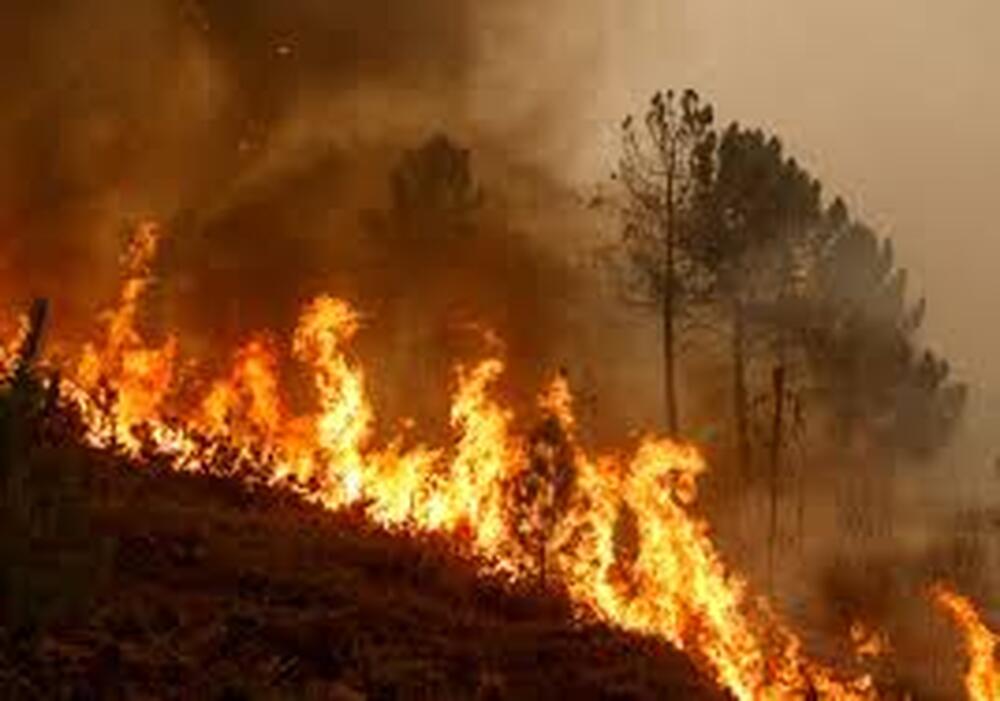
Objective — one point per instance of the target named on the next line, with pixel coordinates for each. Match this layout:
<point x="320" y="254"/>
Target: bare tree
<point x="662" y="160"/>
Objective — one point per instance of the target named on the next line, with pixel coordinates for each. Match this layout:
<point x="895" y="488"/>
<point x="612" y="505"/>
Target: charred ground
<point x="124" y="580"/>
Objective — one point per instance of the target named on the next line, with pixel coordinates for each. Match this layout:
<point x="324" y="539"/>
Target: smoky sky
<point x="208" y="116"/>
<point x="112" y="110"/>
<point x="260" y="136"/>
<point x="256" y="131"/>
<point x="894" y="106"/>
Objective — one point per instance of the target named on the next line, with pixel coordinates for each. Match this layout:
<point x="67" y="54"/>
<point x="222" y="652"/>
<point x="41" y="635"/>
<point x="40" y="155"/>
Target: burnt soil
<point x="211" y="590"/>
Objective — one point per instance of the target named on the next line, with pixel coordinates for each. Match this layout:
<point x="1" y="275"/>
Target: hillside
<point x="207" y="590"/>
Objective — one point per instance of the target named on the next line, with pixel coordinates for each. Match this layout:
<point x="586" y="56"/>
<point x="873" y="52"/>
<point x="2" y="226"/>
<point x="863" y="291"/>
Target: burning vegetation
<point x="329" y="314"/>
<point x="618" y="535"/>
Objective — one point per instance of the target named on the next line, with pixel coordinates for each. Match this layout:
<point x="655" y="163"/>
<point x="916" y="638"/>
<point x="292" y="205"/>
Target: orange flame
<point x="869" y="643"/>
<point x="129" y="380"/>
<point x="618" y="534"/>
<point x="248" y="404"/>
<point x="982" y="680"/>
<point x="11" y="347"/>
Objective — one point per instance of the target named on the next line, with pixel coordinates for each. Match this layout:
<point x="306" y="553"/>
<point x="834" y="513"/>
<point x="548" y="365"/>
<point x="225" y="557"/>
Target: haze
<point x="894" y="104"/>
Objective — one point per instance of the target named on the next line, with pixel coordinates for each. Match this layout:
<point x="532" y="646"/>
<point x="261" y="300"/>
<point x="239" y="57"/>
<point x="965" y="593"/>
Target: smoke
<point x="116" y="110"/>
<point x="261" y="136"/>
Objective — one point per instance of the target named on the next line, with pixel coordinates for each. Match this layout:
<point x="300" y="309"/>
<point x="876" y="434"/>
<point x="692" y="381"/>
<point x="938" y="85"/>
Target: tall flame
<point x="128" y="379"/>
<point x="618" y="534"/>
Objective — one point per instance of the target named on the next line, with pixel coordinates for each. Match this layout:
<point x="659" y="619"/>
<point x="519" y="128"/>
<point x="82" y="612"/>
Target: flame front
<point x="617" y="534"/>
<point x="982" y="680"/>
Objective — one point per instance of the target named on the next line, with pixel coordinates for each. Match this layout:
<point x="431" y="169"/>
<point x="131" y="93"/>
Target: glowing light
<point x="618" y="534"/>
<point x="982" y="679"/>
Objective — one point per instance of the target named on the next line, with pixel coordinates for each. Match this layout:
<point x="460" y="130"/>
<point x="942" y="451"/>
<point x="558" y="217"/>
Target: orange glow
<point x="123" y="382"/>
<point x="619" y="534"/>
<point x="248" y="403"/>
<point x="867" y="642"/>
<point x="982" y="680"/>
<point x="10" y="347"/>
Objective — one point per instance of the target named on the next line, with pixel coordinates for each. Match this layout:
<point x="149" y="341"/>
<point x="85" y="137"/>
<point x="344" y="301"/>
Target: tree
<point x="541" y="493"/>
<point x="881" y="387"/>
<point x="433" y="190"/>
<point x="731" y="229"/>
<point x="754" y="214"/>
<point x="51" y="564"/>
<point x="431" y="221"/>
<point x="661" y="164"/>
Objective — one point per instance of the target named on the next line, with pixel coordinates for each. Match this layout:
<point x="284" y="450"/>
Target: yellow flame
<point x="248" y="403"/>
<point x="982" y="680"/>
<point x="133" y="379"/>
<point x="11" y="347"/>
<point x="620" y="537"/>
<point x="868" y="642"/>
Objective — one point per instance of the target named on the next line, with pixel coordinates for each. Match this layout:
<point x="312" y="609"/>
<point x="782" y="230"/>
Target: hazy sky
<point x="893" y="103"/>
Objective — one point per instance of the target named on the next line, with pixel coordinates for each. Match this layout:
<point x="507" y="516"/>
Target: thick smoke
<point x="118" y="110"/>
<point x="261" y="136"/>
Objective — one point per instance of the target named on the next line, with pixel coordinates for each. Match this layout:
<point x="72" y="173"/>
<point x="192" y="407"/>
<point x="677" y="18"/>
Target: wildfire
<point x="982" y="680"/>
<point x="125" y="381"/>
<point x="868" y="642"/>
<point x="617" y="534"/>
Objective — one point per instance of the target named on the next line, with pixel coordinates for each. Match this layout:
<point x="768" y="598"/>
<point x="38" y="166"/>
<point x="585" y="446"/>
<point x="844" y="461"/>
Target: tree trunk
<point x="31" y="347"/>
<point x="740" y="400"/>
<point x="669" y="361"/>
<point x="778" y="381"/>
<point x="669" y="303"/>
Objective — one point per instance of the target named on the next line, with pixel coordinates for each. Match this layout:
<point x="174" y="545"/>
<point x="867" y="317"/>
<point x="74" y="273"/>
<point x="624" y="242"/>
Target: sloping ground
<point x="212" y="592"/>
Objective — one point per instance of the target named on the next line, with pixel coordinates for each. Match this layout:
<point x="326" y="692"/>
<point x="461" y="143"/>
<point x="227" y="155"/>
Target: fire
<point x="128" y="380"/>
<point x="247" y="405"/>
<point x="868" y="642"/>
<point x="982" y="680"/>
<point x="618" y="534"/>
<point x="10" y="347"/>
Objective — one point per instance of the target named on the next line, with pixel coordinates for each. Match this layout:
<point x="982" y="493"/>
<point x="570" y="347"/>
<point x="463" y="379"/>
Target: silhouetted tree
<point x="542" y="492"/>
<point x="863" y="349"/>
<point x="730" y="228"/>
<point x="755" y="210"/>
<point x="663" y="158"/>
<point x="50" y="564"/>
<point x="428" y="225"/>
<point x="434" y="192"/>
<point x="753" y="221"/>
<point x="732" y="224"/>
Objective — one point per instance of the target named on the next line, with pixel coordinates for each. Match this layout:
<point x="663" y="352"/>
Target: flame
<point x="982" y="680"/>
<point x="618" y="534"/>
<point x="124" y="382"/>
<point x="248" y="404"/>
<point x="11" y="347"/>
<point x="868" y="642"/>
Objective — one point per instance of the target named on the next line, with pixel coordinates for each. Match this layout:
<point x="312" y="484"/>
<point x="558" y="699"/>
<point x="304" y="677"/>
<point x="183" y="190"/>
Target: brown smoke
<point x="114" y="110"/>
<point x="260" y="135"/>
